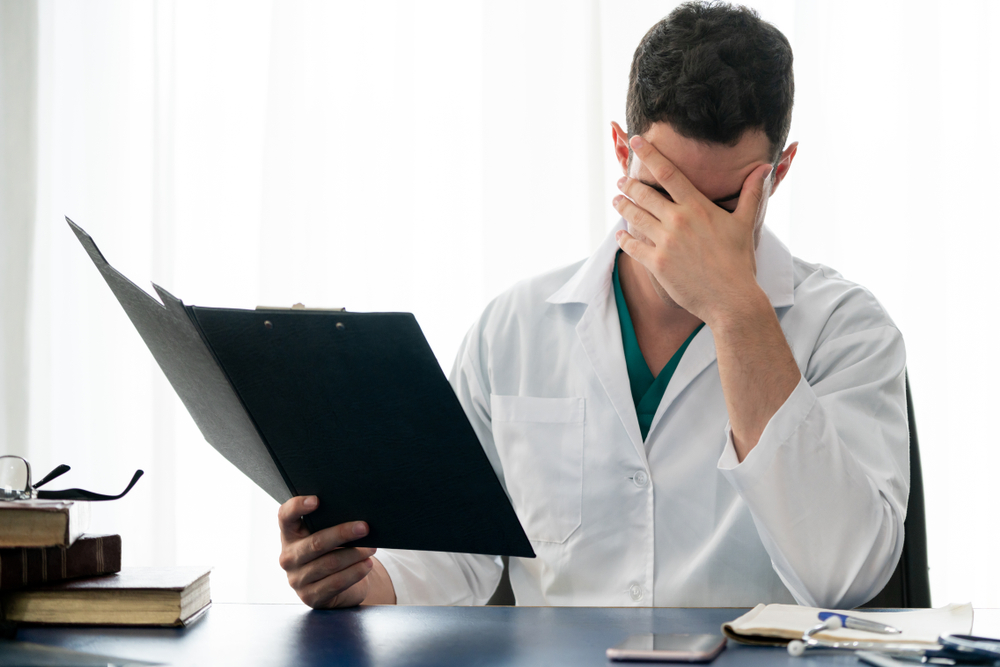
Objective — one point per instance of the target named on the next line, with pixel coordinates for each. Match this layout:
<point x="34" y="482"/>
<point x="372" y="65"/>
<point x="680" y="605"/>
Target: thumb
<point x="752" y="194"/>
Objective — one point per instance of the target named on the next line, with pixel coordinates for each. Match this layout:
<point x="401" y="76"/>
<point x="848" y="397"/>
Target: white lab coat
<point x="813" y="514"/>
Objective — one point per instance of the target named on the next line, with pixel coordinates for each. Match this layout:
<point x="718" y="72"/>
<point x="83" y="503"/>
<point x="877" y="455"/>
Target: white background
<point x="424" y="156"/>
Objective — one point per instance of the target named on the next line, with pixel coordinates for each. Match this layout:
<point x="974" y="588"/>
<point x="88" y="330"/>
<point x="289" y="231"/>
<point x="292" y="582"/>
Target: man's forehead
<point x="715" y="169"/>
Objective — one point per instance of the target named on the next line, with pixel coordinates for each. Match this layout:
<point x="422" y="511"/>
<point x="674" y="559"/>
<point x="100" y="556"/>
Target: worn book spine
<point x="42" y="523"/>
<point x="90" y="555"/>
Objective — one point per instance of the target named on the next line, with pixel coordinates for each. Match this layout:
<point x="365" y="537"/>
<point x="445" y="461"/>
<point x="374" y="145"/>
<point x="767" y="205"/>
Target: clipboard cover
<point x="350" y="407"/>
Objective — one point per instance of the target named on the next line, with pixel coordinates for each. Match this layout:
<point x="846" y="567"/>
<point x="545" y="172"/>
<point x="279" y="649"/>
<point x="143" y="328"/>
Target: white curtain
<point x="423" y="156"/>
<point x="18" y="151"/>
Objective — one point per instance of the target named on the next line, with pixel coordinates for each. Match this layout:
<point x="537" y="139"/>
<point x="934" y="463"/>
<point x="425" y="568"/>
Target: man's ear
<point x="622" y="150"/>
<point x="784" y="164"/>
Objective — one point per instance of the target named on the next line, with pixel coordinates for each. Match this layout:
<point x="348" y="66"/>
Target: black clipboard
<point x="350" y="407"/>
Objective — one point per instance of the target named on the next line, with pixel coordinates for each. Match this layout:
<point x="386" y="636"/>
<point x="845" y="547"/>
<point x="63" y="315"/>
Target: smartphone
<point x="669" y="648"/>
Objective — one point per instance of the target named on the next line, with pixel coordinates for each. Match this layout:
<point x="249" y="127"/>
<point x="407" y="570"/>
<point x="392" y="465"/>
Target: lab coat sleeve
<point x="436" y="578"/>
<point x="827" y="482"/>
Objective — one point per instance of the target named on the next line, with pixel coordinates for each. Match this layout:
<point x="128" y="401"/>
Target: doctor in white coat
<point x="692" y="416"/>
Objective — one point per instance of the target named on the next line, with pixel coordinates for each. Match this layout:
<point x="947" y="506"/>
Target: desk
<point x="286" y="634"/>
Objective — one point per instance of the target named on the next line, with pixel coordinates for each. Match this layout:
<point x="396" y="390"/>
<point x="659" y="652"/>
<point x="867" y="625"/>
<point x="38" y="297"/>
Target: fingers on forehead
<point x="662" y="169"/>
<point x="646" y="196"/>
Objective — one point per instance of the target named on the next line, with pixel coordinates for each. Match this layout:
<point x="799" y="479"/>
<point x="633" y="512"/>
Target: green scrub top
<point x="647" y="391"/>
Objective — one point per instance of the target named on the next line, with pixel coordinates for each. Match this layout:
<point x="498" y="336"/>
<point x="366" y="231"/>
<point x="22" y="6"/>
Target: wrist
<point x="380" y="588"/>
<point x="744" y="312"/>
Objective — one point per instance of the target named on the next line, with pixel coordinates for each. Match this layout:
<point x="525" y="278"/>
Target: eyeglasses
<point x="15" y="483"/>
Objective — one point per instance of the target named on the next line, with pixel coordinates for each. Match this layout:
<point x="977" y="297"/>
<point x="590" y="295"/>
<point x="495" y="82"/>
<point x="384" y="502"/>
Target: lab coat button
<point x="640" y="478"/>
<point x="635" y="591"/>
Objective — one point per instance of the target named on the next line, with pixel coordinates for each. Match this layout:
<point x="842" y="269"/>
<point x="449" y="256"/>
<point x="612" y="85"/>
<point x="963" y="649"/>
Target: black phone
<point x="669" y="648"/>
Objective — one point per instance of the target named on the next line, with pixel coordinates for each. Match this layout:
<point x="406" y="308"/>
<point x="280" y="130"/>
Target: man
<point x="698" y="420"/>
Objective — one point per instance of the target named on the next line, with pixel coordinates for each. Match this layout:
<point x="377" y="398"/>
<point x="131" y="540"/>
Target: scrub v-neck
<point x="647" y="391"/>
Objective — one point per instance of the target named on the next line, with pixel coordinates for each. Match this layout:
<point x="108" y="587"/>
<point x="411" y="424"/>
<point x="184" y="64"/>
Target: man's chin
<point x="662" y="293"/>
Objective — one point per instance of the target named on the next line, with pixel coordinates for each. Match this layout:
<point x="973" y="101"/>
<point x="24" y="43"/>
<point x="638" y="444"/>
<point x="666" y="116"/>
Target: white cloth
<point x="814" y="513"/>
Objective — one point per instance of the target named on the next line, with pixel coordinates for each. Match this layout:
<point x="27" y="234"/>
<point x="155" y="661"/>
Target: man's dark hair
<point x="713" y="71"/>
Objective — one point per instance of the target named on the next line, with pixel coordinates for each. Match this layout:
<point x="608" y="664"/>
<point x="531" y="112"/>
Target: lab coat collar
<point x="599" y="329"/>
<point x="592" y="281"/>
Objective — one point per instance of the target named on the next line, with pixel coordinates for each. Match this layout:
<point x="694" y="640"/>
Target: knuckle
<point x="285" y="560"/>
<point x="290" y="508"/>
<point x="641" y="197"/>
<point x="665" y="172"/>
<point x="660" y="262"/>
<point x="329" y="564"/>
<point x="289" y="521"/>
<point x="354" y="574"/>
<point x="315" y="543"/>
<point x="308" y="597"/>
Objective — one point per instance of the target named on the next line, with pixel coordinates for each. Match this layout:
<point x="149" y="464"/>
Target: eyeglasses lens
<point x="13" y="477"/>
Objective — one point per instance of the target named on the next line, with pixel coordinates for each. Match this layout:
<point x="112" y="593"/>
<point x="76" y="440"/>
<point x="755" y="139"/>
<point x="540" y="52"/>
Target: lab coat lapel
<point x="600" y="332"/>
<point x="699" y="355"/>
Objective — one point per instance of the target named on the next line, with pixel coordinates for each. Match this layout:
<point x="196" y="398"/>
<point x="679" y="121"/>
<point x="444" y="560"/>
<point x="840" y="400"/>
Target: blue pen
<point x="854" y="623"/>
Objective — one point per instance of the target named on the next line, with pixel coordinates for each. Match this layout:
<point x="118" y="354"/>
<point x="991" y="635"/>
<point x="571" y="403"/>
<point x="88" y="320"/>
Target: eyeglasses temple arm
<point x="81" y="494"/>
<point x="58" y="470"/>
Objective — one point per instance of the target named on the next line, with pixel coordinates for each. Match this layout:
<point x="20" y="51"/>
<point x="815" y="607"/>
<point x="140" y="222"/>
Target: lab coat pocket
<point x="540" y="443"/>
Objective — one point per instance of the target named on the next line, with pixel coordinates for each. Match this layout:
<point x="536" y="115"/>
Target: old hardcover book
<point x="134" y="596"/>
<point x="33" y="566"/>
<point x="42" y="523"/>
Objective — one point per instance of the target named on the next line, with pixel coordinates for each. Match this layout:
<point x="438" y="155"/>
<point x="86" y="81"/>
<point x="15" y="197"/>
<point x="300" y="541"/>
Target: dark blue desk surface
<point x="260" y="634"/>
<point x="280" y="634"/>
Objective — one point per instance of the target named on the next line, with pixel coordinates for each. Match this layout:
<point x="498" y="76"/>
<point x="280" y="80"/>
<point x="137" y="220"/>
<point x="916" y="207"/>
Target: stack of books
<point x="51" y="571"/>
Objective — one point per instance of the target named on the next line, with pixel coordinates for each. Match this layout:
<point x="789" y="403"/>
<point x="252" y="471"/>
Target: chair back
<point x="910" y="584"/>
